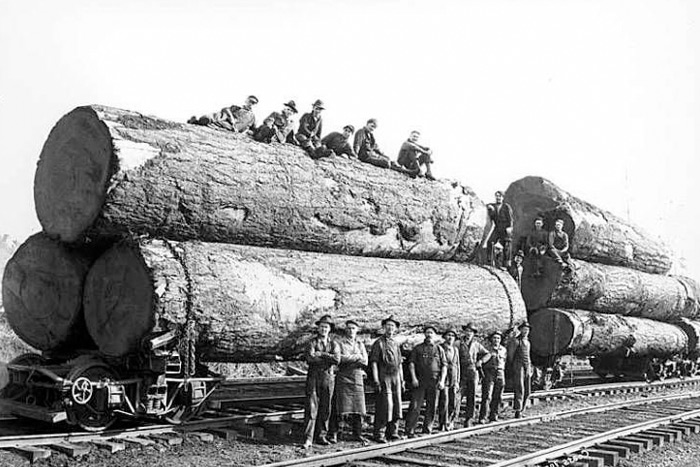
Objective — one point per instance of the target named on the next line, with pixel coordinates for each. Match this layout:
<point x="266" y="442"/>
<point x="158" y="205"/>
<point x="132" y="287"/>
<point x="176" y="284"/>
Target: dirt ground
<point x="219" y="453"/>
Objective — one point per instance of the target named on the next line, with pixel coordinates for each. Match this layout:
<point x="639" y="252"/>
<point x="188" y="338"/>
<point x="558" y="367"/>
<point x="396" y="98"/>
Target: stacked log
<point x="595" y="235"/>
<point x="105" y="172"/>
<point x="585" y="333"/>
<point x="256" y="304"/>
<point x="42" y="293"/>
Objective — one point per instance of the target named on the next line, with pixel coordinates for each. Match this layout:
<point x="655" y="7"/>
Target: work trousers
<point x="470" y="378"/>
<point x="448" y="406"/>
<point x="561" y="258"/>
<point x="425" y="392"/>
<point x="491" y="393"/>
<point x="522" y="382"/>
<point x="388" y="406"/>
<point x="502" y="237"/>
<point x="317" y="412"/>
<point x="375" y="159"/>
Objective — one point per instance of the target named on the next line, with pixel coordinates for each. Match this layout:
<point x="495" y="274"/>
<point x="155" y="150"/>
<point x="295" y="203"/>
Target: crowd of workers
<point x="440" y="377"/>
<point x="279" y="127"/>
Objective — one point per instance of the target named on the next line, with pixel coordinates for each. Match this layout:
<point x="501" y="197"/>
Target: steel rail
<point x="376" y="451"/>
<point x="572" y="447"/>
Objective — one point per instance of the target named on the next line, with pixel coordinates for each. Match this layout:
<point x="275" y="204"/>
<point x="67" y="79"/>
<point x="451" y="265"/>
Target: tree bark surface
<point x="255" y="304"/>
<point x="106" y="172"/>
<point x="586" y="333"/>
<point x="42" y="291"/>
<point x="595" y="235"/>
<point x="611" y="289"/>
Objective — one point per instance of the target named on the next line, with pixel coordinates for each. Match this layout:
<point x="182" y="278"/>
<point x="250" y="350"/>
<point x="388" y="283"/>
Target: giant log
<point x="611" y="289"/>
<point x="249" y="304"/>
<point x="104" y="172"/>
<point x="595" y="235"/>
<point x="586" y="333"/>
<point x="42" y="293"/>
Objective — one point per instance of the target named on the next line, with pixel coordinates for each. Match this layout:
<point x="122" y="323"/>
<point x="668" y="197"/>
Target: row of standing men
<point x="440" y="376"/>
<point x="279" y="127"/>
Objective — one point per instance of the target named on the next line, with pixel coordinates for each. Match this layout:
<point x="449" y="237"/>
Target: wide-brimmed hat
<point x="470" y="326"/>
<point x="351" y="321"/>
<point x="325" y="319"/>
<point x="391" y="318"/>
<point x="292" y="105"/>
<point x="430" y="326"/>
<point x="318" y="104"/>
<point x="449" y="330"/>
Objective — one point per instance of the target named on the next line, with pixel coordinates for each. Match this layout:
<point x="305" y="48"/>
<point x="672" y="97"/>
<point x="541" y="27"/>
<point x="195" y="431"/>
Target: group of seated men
<point x="279" y="127"/>
<point x="439" y="375"/>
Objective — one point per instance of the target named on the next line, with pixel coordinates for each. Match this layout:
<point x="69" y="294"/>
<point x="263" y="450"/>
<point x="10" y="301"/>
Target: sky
<point x="600" y="97"/>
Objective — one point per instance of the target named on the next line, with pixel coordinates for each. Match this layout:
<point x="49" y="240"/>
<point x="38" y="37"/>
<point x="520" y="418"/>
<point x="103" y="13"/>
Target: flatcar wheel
<point x="88" y="406"/>
<point x="15" y="391"/>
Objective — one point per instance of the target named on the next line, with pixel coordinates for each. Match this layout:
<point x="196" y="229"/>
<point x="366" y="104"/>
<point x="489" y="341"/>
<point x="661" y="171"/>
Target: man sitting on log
<point x="234" y="118"/>
<point x="428" y="369"/>
<point x="338" y="142"/>
<point x="323" y="356"/>
<point x="349" y="398"/>
<point x="494" y="365"/>
<point x="449" y="397"/>
<point x="498" y="231"/>
<point x="412" y="155"/>
<point x="365" y="146"/>
<point x="470" y="354"/>
<point x="283" y="126"/>
<point x="559" y="245"/>
<point x="537" y="244"/>
<point x="309" y="133"/>
<point x="387" y="375"/>
<point x="520" y="366"/>
<point x="516" y="269"/>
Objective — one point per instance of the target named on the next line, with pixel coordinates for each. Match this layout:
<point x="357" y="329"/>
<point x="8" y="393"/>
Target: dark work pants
<point x="504" y="239"/>
<point x="521" y="387"/>
<point x="376" y="159"/>
<point x="448" y="406"/>
<point x="425" y="392"/>
<point x="317" y="412"/>
<point x="389" y="405"/>
<point x="491" y="393"/>
<point x="470" y="378"/>
<point x="561" y="258"/>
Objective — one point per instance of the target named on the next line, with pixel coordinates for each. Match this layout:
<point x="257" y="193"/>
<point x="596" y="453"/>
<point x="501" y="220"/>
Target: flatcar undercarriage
<point x="93" y="392"/>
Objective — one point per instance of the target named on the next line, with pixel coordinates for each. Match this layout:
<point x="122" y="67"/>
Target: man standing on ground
<point x="470" y="354"/>
<point x="428" y="370"/>
<point x="387" y="375"/>
<point x="234" y="118"/>
<point x="448" y="405"/>
<point x="349" y="384"/>
<point x="521" y="367"/>
<point x="338" y="142"/>
<point x="559" y="245"/>
<point x="499" y="231"/>
<point x="412" y="155"/>
<point x="323" y="356"/>
<point x="494" y="365"/>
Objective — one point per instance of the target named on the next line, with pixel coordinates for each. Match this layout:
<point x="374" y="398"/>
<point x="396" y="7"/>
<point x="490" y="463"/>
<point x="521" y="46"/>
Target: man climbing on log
<point x="338" y="142"/>
<point x="323" y="356"/>
<point x="449" y="397"/>
<point x="309" y="133"/>
<point x="537" y="244"/>
<point x="283" y="125"/>
<point x="494" y="365"/>
<point x="559" y="245"/>
<point x="498" y="231"/>
<point x="412" y="155"/>
<point x="387" y="375"/>
<point x="470" y="354"/>
<point x="520" y="366"/>
<point x="428" y="369"/>
<point x="349" y="398"/>
<point x="236" y="118"/>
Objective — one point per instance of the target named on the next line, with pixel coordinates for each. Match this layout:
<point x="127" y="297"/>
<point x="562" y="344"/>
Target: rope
<point x="188" y="343"/>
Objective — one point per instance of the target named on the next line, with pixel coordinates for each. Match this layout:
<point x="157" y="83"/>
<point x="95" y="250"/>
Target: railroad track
<point x="246" y="415"/>
<point x="609" y="431"/>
